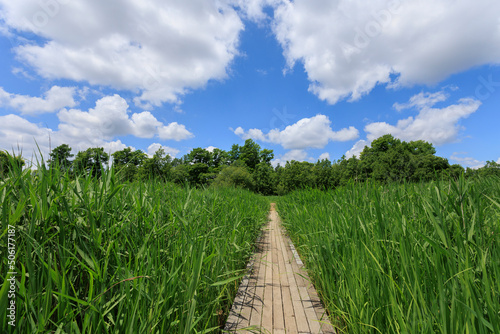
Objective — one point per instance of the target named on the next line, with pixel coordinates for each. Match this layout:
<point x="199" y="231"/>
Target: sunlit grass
<point x="95" y="256"/>
<point x="419" y="258"/>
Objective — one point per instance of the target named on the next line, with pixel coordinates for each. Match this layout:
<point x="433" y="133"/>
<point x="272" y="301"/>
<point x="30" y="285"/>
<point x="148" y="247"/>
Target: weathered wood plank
<point x="267" y="312"/>
<point x="276" y="295"/>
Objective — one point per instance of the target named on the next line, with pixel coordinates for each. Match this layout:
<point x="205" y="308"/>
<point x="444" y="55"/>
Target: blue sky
<point x="309" y="79"/>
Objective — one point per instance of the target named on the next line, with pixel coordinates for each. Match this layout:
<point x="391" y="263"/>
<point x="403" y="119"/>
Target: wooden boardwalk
<point x="276" y="296"/>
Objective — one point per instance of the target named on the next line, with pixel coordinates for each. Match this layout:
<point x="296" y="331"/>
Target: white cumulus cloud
<point x="324" y="156"/>
<point x="96" y="127"/>
<point x="357" y="148"/>
<point x="20" y="136"/>
<point x="437" y="126"/>
<point x="314" y="132"/>
<point x="157" y="49"/>
<point x="347" y="47"/>
<point x="52" y="100"/>
<point x="297" y="155"/>
<point x="110" y="118"/>
<point x="168" y="150"/>
<point x="467" y="161"/>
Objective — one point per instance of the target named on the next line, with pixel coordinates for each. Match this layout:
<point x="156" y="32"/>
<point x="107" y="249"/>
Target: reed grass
<point x="96" y="256"/>
<point x="411" y="258"/>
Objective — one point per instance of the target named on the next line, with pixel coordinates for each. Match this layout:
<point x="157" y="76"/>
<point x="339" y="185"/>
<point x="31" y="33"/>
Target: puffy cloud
<point x="435" y="125"/>
<point x="110" y="118"/>
<point x="18" y="135"/>
<point x="467" y="161"/>
<point x="349" y="46"/>
<point x="297" y="155"/>
<point x="155" y="48"/>
<point x="324" y="156"/>
<point x="174" y="131"/>
<point x="52" y="100"/>
<point x="357" y="148"/>
<point x="422" y="100"/>
<point x="168" y="150"/>
<point x="97" y="127"/>
<point x="314" y="132"/>
<point x="210" y="148"/>
<point x="254" y="9"/>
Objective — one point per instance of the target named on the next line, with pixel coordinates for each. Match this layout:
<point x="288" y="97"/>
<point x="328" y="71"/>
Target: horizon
<point x="308" y="79"/>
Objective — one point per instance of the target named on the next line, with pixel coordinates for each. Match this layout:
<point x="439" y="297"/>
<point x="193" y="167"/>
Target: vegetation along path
<point x="276" y="296"/>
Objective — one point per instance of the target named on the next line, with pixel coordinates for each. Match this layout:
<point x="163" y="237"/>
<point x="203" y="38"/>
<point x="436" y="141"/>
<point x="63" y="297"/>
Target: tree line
<point x="387" y="159"/>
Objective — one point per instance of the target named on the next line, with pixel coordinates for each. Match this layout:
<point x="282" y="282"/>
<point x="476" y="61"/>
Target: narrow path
<point x="276" y="296"/>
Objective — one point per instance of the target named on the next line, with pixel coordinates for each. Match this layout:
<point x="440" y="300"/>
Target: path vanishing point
<point x="276" y="295"/>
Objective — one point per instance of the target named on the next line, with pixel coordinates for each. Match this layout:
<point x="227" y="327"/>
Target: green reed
<point x="96" y="256"/>
<point x="411" y="258"/>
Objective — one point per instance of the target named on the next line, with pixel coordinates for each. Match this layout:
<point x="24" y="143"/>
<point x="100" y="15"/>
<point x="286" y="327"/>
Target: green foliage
<point x="264" y="179"/>
<point x="402" y="258"/>
<point x="156" y="167"/>
<point x="387" y="160"/>
<point x="296" y="175"/>
<point x="490" y="169"/>
<point x="235" y="176"/>
<point x="97" y="256"/>
<point x="91" y="161"/>
<point x="9" y="163"/>
<point x="127" y="162"/>
<point x="59" y="157"/>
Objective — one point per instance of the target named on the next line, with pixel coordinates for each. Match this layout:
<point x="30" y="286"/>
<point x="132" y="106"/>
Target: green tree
<point x="250" y="154"/>
<point x="91" y="161"/>
<point x="296" y="175"/>
<point x="127" y="162"/>
<point x="59" y="157"/>
<point x="158" y="166"/>
<point x="235" y="176"/>
<point x="234" y="154"/>
<point x="323" y="177"/>
<point x="264" y="178"/>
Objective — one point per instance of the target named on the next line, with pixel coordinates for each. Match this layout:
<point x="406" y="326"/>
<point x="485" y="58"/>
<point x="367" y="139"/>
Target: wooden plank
<point x="314" y="324"/>
<point x="288" y="312"/>
<point x="298" y="308"/>
<point x="234" y="318"/>
<point x="278" y="318"/>
<point x="256" y="316"/>
<point x="267" y="312"/>
<point x="276" y="295"/>
<point x="249" y="297"/>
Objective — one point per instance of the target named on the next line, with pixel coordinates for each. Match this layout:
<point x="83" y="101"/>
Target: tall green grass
<point x="413" y="258"/>
<point x="95" y="256"/>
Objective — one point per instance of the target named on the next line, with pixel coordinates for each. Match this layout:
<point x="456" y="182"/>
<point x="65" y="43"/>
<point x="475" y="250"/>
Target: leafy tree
<point x="179" y="174"/>
<point x="266" y="156"/>
<point x="296" y="175"/>
<point x="91" y="161"/>
<point x="199" y="155"/>
<point x="235" y="176"/>
<point x="234" y="154"/>
<point x="323" y="176"/>
<point x="264" y="179"/>
<point x="491" y="168"/>
<point x="198" y="174"/>
<point x="157" y="166"/>
<point x="250" y="154"/>
<point x="219" y="158"/>
<point x="427" y="166"/>
<point x="127" y="162"/>
<point x="59" y="157"/>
